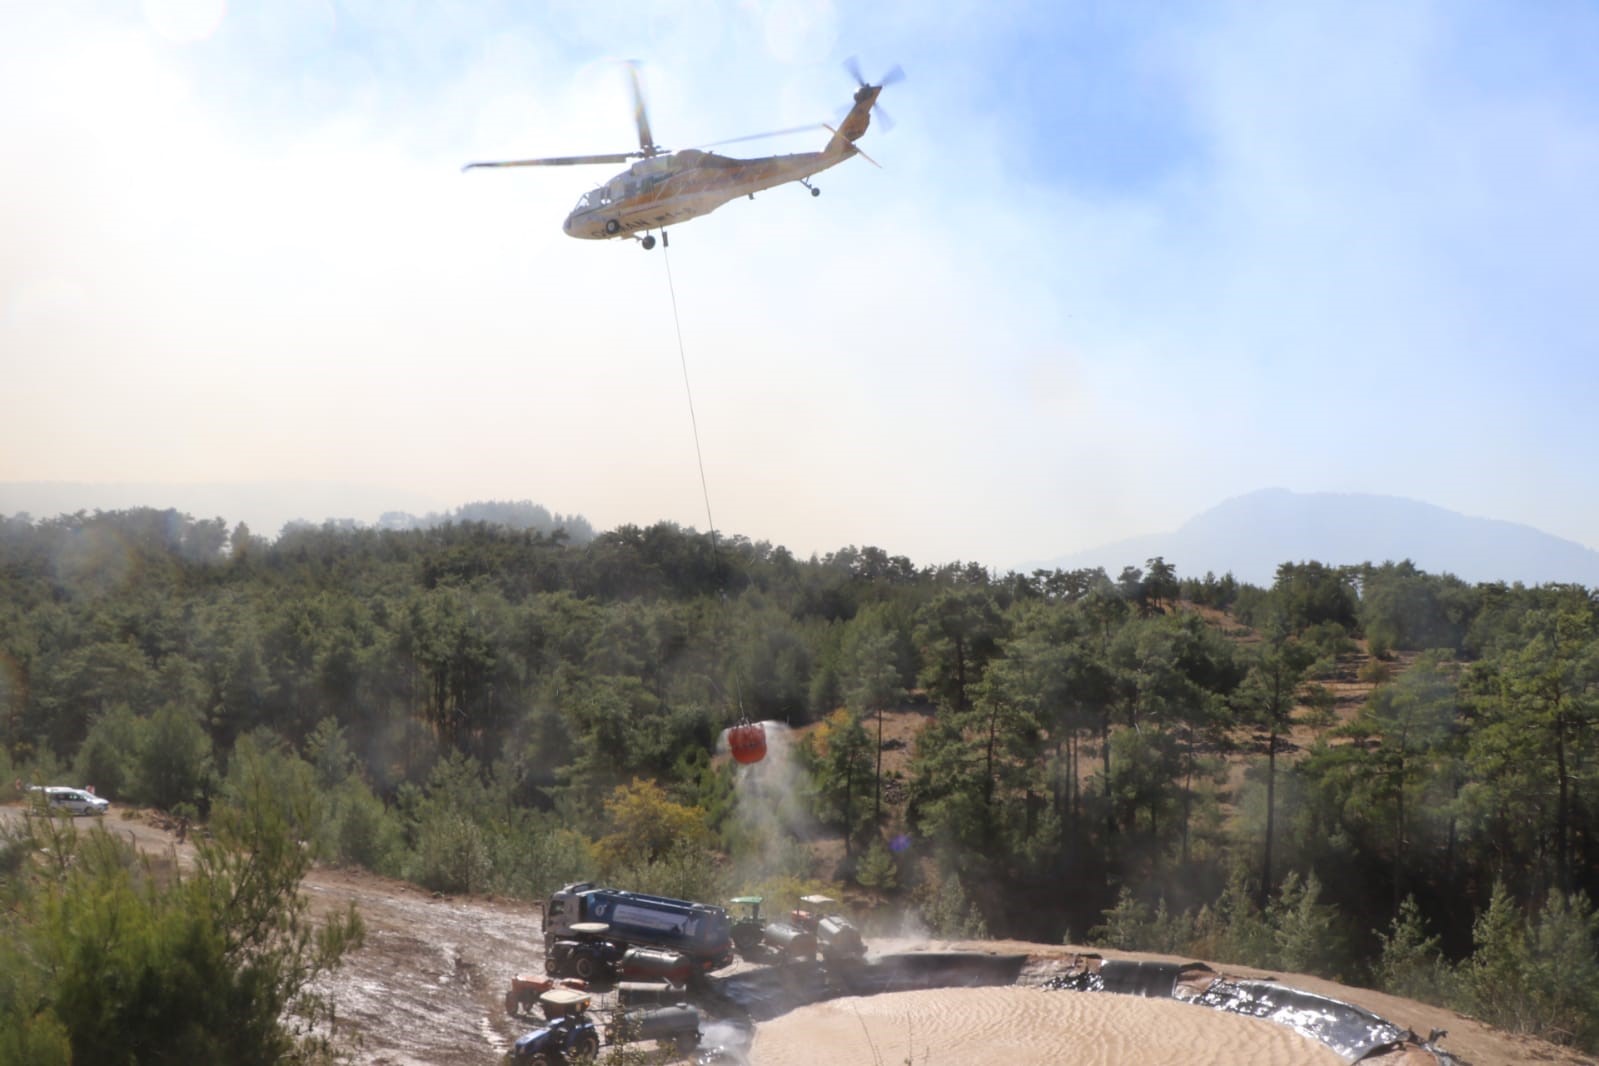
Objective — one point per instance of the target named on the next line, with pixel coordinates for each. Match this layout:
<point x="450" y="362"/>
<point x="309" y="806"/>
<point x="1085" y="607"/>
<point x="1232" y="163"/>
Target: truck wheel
<point x="585" y="1047"/>
<point x="586" y="966"/>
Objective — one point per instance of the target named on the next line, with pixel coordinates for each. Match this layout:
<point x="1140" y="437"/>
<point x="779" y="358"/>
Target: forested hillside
<point x="1153" y="760"/>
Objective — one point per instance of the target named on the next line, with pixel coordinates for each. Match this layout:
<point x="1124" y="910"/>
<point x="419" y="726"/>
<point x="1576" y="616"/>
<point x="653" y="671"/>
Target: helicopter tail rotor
<point x="892" y="76"/>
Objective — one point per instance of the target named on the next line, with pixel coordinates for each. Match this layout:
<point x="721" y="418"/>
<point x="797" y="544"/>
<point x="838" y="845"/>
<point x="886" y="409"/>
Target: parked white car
<point x="73" y="801"/>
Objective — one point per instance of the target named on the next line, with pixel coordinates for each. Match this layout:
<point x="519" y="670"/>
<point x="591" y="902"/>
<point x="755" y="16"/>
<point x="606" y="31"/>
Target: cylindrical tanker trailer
<point x="677" y="1025"/>
<point x="790" y="941"/>
<point x="700" y="931"/>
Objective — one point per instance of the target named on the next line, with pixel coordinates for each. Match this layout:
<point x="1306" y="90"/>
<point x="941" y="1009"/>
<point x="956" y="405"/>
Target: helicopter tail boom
<point x="854" y="125"/>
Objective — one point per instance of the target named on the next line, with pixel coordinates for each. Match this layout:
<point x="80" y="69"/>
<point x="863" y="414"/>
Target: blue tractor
<point x="568" y="1034"/>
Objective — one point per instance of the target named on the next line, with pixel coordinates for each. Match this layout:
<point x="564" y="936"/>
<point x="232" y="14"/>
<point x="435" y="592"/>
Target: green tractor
<point x="749" y="927"/>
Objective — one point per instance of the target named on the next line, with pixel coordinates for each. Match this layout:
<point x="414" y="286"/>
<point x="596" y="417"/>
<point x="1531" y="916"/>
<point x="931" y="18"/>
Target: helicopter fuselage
<point x="669" y="189"/>
<point x="664" y="190"/>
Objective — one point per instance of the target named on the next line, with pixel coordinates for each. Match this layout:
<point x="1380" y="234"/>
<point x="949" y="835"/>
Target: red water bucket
<point x="747" y="742"/>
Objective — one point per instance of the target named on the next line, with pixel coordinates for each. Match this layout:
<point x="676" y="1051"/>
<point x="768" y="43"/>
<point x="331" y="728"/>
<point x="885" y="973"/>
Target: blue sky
<point x="1122" y="261"/>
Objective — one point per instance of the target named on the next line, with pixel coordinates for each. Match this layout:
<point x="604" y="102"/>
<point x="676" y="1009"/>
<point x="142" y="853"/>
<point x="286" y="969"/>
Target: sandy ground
<point x="1004" y="1026"/>
<point x="428" y="989"/>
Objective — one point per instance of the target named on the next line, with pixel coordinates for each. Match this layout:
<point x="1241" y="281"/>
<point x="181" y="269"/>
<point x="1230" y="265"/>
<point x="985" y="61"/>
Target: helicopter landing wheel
<point x="648" y="241"/>
<point x="815" y="191"/>
<point x="612" y="227"/>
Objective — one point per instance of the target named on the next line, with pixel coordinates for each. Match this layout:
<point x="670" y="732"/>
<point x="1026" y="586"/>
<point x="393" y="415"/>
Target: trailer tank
<point x="702" y="931"/>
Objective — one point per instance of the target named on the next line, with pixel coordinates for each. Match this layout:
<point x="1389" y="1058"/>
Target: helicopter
<point x="664" y="187"/>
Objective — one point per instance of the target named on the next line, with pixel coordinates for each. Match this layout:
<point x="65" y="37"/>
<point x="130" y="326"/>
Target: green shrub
<point x="538" y="855"/>
<point x="106" y="759"/>
<point x="1126" y="925"/>
<point x="1170" y="933"/>
<point x="451" y="855"/>
<point x="1410" y="963"/>
<point x="174" y="760"/>
<point x="1539" y="978"/>
<point x="1375" y="671"/>
<point x="108" y="959"/>
<point x="1233" y="929"/>
<point x="1327" y="641"/>
<point x="877" y="871"/>
<point x="362" y="831"/>
<point x="1565" y="970"/>
<point x="1307" y="936"/>
<point x="40" y="1040"/>
<point x="949" y="912"/>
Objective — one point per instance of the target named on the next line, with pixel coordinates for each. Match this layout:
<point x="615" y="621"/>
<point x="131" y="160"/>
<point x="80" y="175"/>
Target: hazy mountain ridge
<point x="1247" y="535"/>
<point x="1250" y="535"/>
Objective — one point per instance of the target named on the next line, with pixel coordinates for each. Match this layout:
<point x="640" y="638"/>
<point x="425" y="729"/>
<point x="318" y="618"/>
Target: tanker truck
<point x="700" y="931"/>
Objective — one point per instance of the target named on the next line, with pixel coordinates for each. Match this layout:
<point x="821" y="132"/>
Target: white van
<point x="73" y="801"/>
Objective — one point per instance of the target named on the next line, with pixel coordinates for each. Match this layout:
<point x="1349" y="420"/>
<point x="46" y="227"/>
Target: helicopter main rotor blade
<point x="894" y="76"/>
<point x="559" y="161"/>
<point x="773" y="133"/>
<point x="646" y="141"/>
<point x="853" y="67"/>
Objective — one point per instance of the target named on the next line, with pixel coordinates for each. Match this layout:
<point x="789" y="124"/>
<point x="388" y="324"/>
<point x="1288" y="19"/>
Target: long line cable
<point x="699" y="455"/>
<point x="682" y="358"/>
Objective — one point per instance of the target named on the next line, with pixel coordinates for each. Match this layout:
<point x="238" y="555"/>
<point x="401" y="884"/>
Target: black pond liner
<point x="1352" y="1032"/>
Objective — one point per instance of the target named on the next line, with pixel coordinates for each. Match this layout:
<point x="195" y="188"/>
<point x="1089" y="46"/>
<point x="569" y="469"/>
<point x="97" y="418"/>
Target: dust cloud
<point x="771" y="819"/>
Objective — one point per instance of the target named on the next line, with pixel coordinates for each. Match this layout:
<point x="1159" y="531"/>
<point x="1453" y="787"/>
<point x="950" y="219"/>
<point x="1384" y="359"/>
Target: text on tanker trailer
<point x="702" y="931"/>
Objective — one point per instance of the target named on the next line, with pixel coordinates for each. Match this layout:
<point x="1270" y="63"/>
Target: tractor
<point x="527" y="988"/>
<point x="586" y="954"/>
<point x="568" y="1034"/>
<point x="836" y="937"/>
<point x="748" y="927"/>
